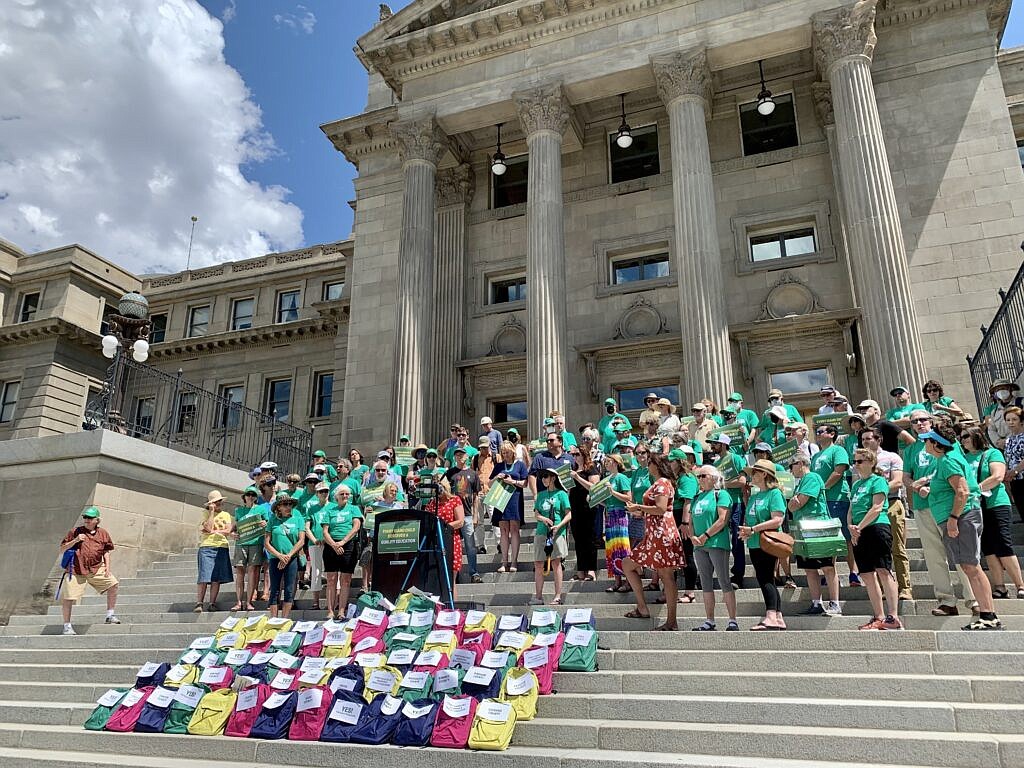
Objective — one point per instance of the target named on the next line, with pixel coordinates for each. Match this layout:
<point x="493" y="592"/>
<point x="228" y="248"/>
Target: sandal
<point x="235" y="607"/>
<point x="623" y="588"/>
<point x="503" y="569"/>
<point x="635" y="614"/>
<point x="687" y="599"/>
<point x="652" y="587"/>
<point x="666" y="627"/>
<point x="707" y="626"/>
<point x="513" y="569"/>
<point x="1001" y="594"/>
<point x="557" y="601"/>
<point x="250" y="607"/>
<point x="611" y="589"/>
<point x="593" y="577"/>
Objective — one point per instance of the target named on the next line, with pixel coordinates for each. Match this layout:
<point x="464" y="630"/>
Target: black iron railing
<point x="1001" y="352"/>
<point x="149" y="404"/>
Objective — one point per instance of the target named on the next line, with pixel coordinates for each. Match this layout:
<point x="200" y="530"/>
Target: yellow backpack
<point x="381" y="680"/>
<point x="479" y="621"/>
<point x="182" y="674"/>
<point x="516" y="642"/>
<point x="493" y="725"/>
<point x="212" y="713"/>
<point x="520" y="688"/>
<point x="337" y="644"/>
<point x="442" y="640"/>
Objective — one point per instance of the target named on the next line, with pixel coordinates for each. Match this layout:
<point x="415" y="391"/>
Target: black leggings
<point x="764" y="570"/>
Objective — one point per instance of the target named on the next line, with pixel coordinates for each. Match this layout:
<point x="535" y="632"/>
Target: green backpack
<point x="105" y="706"/>
<point x="545" y="623"/>
<point x="579" y="651"/>
<point x="373" y="600"/>
<point x="183" y="707"/>
<point x="416" y="686"/>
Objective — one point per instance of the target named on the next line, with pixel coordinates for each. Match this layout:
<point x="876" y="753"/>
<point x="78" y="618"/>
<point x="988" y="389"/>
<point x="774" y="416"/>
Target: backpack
<point x="347" y="680"/>
<point x="126" y="715"/>
<point x="282" y="660"/>
<point x="482" y="639"/>
<point x="521" y="688"/>
<point x="415" y="723"/>
<point x="285" y="680"/>
<point x="511" y="622"/>
<point x="183" y="707"/>
<point x="313" y="678"/>
<point x="230" y="640"/>
<point x="401" y="659"/>
<point x="275" y="716"/>
<point x="502" y="661"/>
<point x="583" y="617"/>
<point x="545" y="622"/>
<point x="453" y="722"/>
<point x="238" y="657"/>
<point x="516" y="642"/>
<point x="371" y="623"/>
<point x="181" y="674"/>
<point x="256" y="671"/>
<point x="482" y="683"/>
<point x="311" y="708"/>
<point x="344" y="715"/>
<point x="337" y="644"/>
<point x="378" y="681"/>
<point x="453" y="620"/>
<point x="408" y="602"/>
<point x="465" y="656"/>
<point x="415" y="686"/>
<point x="493" y="725"/>
<point x="368" y="645"/>
<point x="443" y="640"/>
<point x="478" y="622"/>
<point x="211" y="716"/>
<point x="253" y="627"/>
<point x="105" y="706"/>
<point x="579" y="652"/>
<point x="217" y="677"/>
<point x="277" y="624"/>
<point x="543" y="661"/>
<point x="373" y="600"/>
<point x="154" y="712"/>
<point x="313" y="642"/>
<point x="230" y="625"/>
<point x="382" y="716"/>
<point x="430" y="661"/>
<point x="151" y="674"/>
<point x="396" y="641"/>
<point x="421" y="622"/>
<point x="247" y="707"/>
<point x="287" y="642"/>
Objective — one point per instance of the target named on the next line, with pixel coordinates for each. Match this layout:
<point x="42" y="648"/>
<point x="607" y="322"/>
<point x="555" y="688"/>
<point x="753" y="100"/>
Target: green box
<point x="818" y="538"/>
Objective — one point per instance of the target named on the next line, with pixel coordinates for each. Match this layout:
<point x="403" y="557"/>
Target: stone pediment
<point x="423" y="14"/>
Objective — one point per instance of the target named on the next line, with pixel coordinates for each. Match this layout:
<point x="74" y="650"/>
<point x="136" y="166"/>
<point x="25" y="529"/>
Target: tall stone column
<point x="421" y="144"/>
<point x="844" y="41"/>
<point x="684" y="84"/>
<point x="454" y="194"/>
<point x="544" y="113"/>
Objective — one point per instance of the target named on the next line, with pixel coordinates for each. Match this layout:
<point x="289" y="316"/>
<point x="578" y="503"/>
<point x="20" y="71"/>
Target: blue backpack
<point x="347" y="680"/>
<point x="257" y="671"/>
<point x="340" y="729"/>
<point x="276" y="716"/>
<point x="381" y="718"/>
<point x="479" y="689"/>
<point x="415" y="724"/>
<point x="156" y="677"/>
<point x="153" y="716"/>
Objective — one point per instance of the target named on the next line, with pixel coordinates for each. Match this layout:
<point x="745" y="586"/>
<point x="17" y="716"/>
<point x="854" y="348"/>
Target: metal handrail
<point x="1001" y="352"/>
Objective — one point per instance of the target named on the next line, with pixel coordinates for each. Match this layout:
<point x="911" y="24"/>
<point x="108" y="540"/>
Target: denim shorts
<point x="214" y="566"/>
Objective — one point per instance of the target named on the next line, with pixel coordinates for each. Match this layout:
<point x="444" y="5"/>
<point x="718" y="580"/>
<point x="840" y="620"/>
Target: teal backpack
<point x="579" y="651"/>
<point x="105" y="707"/>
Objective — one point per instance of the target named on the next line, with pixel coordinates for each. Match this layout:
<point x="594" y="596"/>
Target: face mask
<point x="775" y="401"/>
<point x="1003" y="395"/>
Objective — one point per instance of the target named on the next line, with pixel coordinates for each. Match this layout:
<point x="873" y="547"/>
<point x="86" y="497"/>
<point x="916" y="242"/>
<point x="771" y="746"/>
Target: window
<point x="232" y="397"/>
<point x="105" y="322"/>
<point x="635" y="269"/>
<point x="287" y="306"/>
<point x="633" y="399"/>
<point x="639" y="160"/>
<point x="323" y="390"/>
<point x="188" y="406"/>
<point x="8" y="399"/>
<point x="780" y="245"/>
<point x="29" y="307"/>
<point x="142" y="416"/>
<point x="1020" y="153"/>
<point x="333" y="291"/>
<point x="797" y="382"/>
<point x="508" y="290"/>
<point x="506" y="411"/>
<point x="764" y="134"/>
<point x="157" y="328"/>
<point x="510" y="187"/>
<point x="241" y="313"/>
<point x="198" y="320"/>
<point x="279" y="397"/>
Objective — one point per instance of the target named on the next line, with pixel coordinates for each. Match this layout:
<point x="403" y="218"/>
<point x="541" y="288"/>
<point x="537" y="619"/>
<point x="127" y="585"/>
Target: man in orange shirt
<point x="91" y="566"/>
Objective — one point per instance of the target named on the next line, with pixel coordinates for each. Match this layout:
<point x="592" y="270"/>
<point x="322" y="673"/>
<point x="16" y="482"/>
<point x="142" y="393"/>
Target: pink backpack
<point x="482" y="638"/>
<point x="533" y="658"/>
<point x="454" y="721"/>
<point x="127" y="714"/>
<point x="453" y="620"/>
<point x="310" y="713"/>
<point x="217" y="678"/>
<point x="369" y="644"/>
<point x="313" y="642"/>
<point x="365" y="629"/>
<point x="247" y="708"/>
<point x="442" y="663"/>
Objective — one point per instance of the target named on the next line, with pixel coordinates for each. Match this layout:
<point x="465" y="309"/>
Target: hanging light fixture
<point x="624" y="138"/>
<point x="498" y="164"/>
<point x="765" y="102"/>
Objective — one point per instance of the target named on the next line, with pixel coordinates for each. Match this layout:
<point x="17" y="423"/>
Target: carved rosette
<point x="455" y="186"/>
<point x="684" y="73"/>
<point x="843" y="33"/>
<point x="822" y="94"/>
<point x="420" y="140"/>
<point x="543" y="109"/>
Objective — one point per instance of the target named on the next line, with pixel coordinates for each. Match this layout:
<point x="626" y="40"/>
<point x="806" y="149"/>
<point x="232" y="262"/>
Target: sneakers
<point x="481" y="550"/>
<point x="946" y="610"/>
<point x="980" y="624"/>
<point x="855" y="580"/>
<point x="707" y="626"/>
<point x="112" y="620"/>
<point x="814" y="610"/>
<point x="535" y="601"/>
<point x="732" y="627"/>
<point x="69" y="630"/>
<point x="891" y="622"/>
<point x="198" y="608"/>
<point x="833" y="609"/>
<point x="213" y="608"/>
<point x="477" y="578"/>
<point x="873" y="624"/>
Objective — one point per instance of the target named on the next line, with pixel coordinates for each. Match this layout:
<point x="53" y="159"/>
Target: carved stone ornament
<point x="510" y="338"/>
<point x="822" y="93"/>
<point x="420" y="140"/>
<point x="640" y="320"/>
<point x="844" y="32"/>
<point x="543" y="109"/>
<point x="455" y="186"/>
<point x="468" y="376"/>
<point x="789" y="298"/>
<point x="385" y="12"/>
<point x="684" y="73"/>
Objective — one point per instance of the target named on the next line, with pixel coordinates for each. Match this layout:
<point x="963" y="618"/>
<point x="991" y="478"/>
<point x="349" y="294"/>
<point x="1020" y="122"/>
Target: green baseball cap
<point x="731" y="409"/>
<point x="250" y="491"/>
<point x="609" y="401"/>
<point x="321" y="454"/>
<point x="735" y="397"/>
<point x="676" y="455"/>
<point x="91" y="512"/>
<point x="405" y="437"/>
<point x="549" y="422"/>
<point x="513" y="431"/>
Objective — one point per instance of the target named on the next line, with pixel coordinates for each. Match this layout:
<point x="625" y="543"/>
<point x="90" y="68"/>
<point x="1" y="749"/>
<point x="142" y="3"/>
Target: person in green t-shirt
<point x="809" y="503"/>
<point x="250" y="522"/>
<point x="683" y="462"/>
<point x="553" y="513"/>
<point x="340" y="522"/>
<point x="937" y="401"/>
<point x="831" y="463"/>
<point x="953" y="498"/>
<point x="899" y="414"/>
<point x="709" y="513"/>
<point x="872" y="539"/>
<point x="283" y="541"/>
<point x="745" y="416"/>
<point x="312" y="514"/>
<point x="765" y="512"/>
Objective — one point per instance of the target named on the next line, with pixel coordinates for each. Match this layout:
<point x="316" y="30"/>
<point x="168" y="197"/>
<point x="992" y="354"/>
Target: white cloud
<point x="229" y="12"/>
<point x="118" y="122"/>
<point x="302" y="20"/>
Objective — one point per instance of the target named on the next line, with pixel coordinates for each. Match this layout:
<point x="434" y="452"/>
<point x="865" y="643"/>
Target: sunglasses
<point x="919" y="421"/>
<point x="551" y="440"/>
<point x="821" y="432"/>
<point x="574" y="453"/>
<point x="642" y="453"/>
<point x="931" y="389"/>
<point x="861" y="461"/>
<point x="380" y="471"/>
<point x="696" y="410"/>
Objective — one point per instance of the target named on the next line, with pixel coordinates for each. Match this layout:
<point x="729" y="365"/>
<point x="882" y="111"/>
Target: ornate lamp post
<point x="128" y="328"/>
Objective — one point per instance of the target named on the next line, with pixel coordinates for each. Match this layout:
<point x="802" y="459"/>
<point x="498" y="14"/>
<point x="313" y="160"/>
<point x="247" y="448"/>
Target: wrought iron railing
<point x="162" y="408"/>
<point x="1001" y="352"/>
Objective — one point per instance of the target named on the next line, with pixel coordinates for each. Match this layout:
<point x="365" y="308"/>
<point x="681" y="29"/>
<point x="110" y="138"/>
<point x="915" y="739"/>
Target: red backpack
<point x="310" y="713"/>
<point x="453" y="722"/>
<point x="247" y="707"/>
<point x="543" y="660"/>
<point x="127" y="714"/>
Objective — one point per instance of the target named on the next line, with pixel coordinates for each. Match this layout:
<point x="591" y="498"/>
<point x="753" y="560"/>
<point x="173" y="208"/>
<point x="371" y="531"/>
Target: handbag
<point x="777" y="544"/>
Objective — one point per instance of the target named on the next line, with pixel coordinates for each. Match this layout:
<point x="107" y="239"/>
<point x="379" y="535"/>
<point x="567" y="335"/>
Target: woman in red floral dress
<point x="661" y="549"/>
<point x="449" y="508"/>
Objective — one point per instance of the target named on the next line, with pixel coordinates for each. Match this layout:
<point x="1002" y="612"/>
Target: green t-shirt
<point x="619" y="482"/>
<point x="284" y="534"/>
<point x="918" y="463"/>
<point x="824" y="463"/>
<point x="639" y="484"/>
<point x="765" y="425"/>
<point x="553" y="505"/>
<point x="687" y="489"/>
<point x="353" y="485"/>
<point x="608" y="438"/>
<point x="929" y="406"/>
<point x="759" y="510"/>
<point x="863" y="495"/>
<point x="941" y="495"/>
<point x="246" y="522"/>
<point x="358" y="472"/>
<point x="449" y="455"/>
<point x="813" y="487"/>
<point x="313" y="514"/>
<point x="998" y="496"/>
<point x="704" y="511"/>
<point x="903" y="411"/>
<point x="568" y="439"/>
<point x="748" y="419"/>
<point x="339" y="520"/>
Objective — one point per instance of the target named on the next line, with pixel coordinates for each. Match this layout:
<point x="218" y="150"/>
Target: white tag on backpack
<point x="445" y="680"/>
<point x="511" y="640"/>
<point x="283" y="639"/>
<point x="147" y="669"/>
<point x="228" y="640"/>
<point x="339" y="661"/>
<point x="380" y="681"/>
<point x="213" y="675"/>
<point x="304" y="626"/>
<point x="238" y="657"/>
<point x="479" y="676"/>
<point x="282" y="681"/>
<point x="370" y="660"/>
<point x="414" y="713"/>
<point x="202" y="643"/>
<point x="372" y="616"/>
<point x="447" y="619"/>
<point x="336" y="637"/>
<point x="440" y="637"/>
<point x="230" y="622"/>
<point x="133" y="697"/>
<point x="252" y="621"/>
<point x="247" y="699"/>
<point x="421" y="619"/>
<point x="543" y="619"/>
<point x="315" y="635"/>
<point x="510" y="621"/>
<point x="366" y="644"/>
<point x="475" y="617"/>
<point x="189" y="695"/>
<point x="342" y="684"/>
<point x="311" y="676"/>
<point x="190" y="657"/>
<point x="428" y="659"/>
<point x="398" y="620"/>
<point x="456" y="707"/>
<point x="495" y="711"/>
<point x="309" y="699"/>
<point x="402" y="657"/>
<point x="578" y="616"/>
<point x="545" y="638"/>
<point x="578" y="636"/>
<point x="161" y="697"/>
<point x="415" y="680"/>
<point x="495" y="659"/>
<point x="535" y="658"/>
<point x="346" y="712"/>
<point x="518" y="685"/>
<point x="390" y="705"/>
<point x="283" y="660"/>
<point x="278" y="621"/>
<point x="275" y="700"/>
<point x="311" y="663"/>
<point x="463" y="658"/>
<point x="261" y="657"/>
<point x="110" y="698"/>
<point x="211" y="659"/>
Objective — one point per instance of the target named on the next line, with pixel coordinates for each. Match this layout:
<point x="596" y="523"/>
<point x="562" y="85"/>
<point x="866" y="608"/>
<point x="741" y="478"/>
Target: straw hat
<point x="768" y="467"/>
<point x="213" y="497"/>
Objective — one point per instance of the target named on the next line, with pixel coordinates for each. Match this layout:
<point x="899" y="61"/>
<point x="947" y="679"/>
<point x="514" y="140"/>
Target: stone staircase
<point x="825" y="697"/>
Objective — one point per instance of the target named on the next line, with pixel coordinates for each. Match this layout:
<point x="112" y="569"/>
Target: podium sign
<point x="412" y="548"/>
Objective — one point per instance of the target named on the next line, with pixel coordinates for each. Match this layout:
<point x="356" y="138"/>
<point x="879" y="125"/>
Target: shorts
<point x="873" y="551"/>
<point x="249" y="555"/>
<point x="560" y="550"/>
<point x="814" y="563"/>
<point x="214" y="566"/>
<point x="839" y="510"/>
<point x="343" y="563"/>
<point x="996" y="538"/>
<point x="965" y="549"/>
<point x="74" y="588"/>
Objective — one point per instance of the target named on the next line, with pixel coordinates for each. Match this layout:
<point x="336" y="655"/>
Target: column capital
<point x="420" y="139"/>
<point x="455" y="186"/>
<point x="683" y="73"/>
<point x="543" y="109"/>
<point x="822" y="94"/>
<point x="844" y="32"/>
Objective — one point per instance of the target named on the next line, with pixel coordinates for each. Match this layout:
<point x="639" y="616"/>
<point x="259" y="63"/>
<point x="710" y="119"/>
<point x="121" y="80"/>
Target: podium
<point x="412" y="548"/>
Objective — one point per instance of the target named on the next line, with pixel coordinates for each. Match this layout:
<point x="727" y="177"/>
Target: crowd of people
<point x="683" y="504"/>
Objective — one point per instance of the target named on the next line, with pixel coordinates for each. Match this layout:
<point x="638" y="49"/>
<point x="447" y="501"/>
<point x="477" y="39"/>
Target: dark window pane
<point x="505" y="291"/>
<point x="791" y="382"/>
<point x="333" y="291"/>
<point x="279" y="396"/>
<point x="640" y="159"/>
<point x="145" y="411"/>
<point x="29" y="307"/>
<point x="230" y="411"/>
<point x="764" y="134"/>
<point x="510" y="411"/>
<point x="643" y="268"/>
<point x="324" y="393"/>
<point x="633" y="399"/>
<point x="510" y="188"/>
<point x="1020" y="153"/>
<point x="188" y="404"/>
<point x="157" y="328"/>
<point x="655" y="267"/>
<point x="9" y="400"/>
<point x="287" y="306"/>
<point x="199" y="321"/>
<point x="241" y="314"/>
